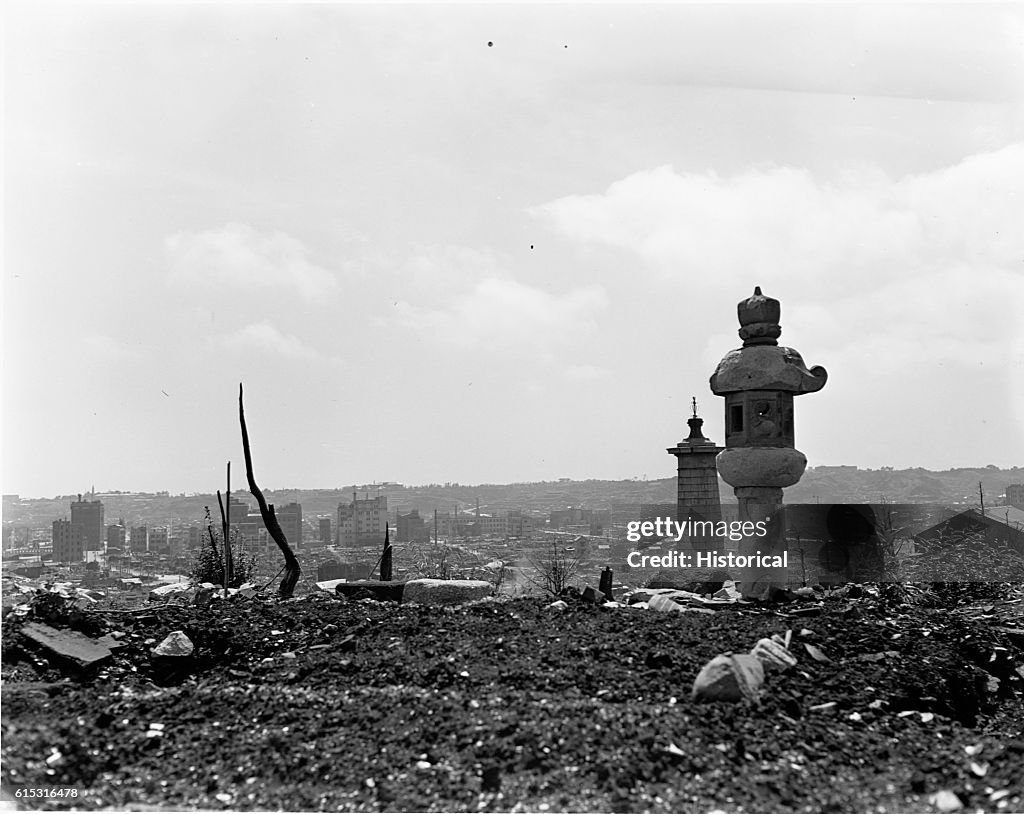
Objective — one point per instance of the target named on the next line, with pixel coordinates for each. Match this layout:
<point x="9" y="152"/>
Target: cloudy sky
<point x="483" y="243"/>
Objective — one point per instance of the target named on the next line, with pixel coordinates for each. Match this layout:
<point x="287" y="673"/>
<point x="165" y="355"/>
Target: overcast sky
<point x="483" y="243"/>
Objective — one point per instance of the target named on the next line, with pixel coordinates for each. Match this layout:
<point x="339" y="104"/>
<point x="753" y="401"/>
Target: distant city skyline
<point x="500" y="243"/>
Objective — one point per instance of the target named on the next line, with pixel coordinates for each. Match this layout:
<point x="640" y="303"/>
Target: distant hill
<point x="819" y="484"/>
<point x="822" y="484"/>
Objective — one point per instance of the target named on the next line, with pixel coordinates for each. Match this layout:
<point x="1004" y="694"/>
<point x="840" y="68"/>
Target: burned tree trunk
<point x="386" y="567"/>
<point x="291" y="564"/>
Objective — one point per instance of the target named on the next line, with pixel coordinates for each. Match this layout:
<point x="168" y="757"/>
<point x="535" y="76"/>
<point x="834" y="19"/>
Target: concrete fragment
<point x="660" y="602"/>
<point x="172" y="589"/>
<point x="665" y="604"/>
<point x="729" y="678"/>
<point x="175" y="645"/>
<point x="772" y="654"/>
<point x="446" y="591"/>
<point x="558" y="604"/>
<point x="728" y="591"/>
<point x="68" y="646"/>
<point x="374" y="588"/>
<point x="592" y="597"/>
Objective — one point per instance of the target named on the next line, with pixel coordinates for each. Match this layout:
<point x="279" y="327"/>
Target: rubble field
<point x="324" y="704"/>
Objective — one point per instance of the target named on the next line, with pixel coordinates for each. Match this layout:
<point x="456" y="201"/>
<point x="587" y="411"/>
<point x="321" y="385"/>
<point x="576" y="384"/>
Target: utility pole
<point x="981" y="497"/>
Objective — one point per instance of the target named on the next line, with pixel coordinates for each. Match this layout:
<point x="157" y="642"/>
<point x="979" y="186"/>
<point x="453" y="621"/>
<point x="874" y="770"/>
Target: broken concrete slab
<point x="67" y="646"/>
<point x="446" y="591"/>
<point x="729" y="678"/>
<point x="329" y="586"/>
<point x="374" y="588"/>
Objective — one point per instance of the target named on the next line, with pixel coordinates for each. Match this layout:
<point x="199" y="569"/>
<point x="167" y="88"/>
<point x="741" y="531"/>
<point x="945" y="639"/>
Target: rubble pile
<point x="251" y="703"/>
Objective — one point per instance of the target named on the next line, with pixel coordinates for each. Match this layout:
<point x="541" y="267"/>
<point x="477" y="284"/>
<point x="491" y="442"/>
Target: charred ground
<point x="321" y="704"/>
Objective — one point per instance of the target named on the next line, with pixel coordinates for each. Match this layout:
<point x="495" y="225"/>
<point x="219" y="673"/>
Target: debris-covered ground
<point x="319" y="703"/>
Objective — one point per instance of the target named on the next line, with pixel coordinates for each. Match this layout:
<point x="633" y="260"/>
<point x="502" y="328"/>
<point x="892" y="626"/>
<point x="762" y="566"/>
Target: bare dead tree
<point x="291" y="563"/>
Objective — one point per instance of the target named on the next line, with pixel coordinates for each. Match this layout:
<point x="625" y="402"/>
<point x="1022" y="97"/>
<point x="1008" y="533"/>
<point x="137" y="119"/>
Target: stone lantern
<point x="760" y="457"/>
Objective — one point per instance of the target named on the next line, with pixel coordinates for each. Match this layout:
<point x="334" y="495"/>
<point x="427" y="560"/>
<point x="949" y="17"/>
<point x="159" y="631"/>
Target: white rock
<point x="177" y="644"/>
<point x="772" y="654"/>
<point x="558" y="604"/>
<point x="945" y="800"/>
<point x="445" y="591"/>
<point x="729" y="678"/>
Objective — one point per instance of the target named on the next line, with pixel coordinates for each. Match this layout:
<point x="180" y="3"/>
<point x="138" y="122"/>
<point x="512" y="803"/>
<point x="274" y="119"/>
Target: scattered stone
<point x="446" y="591"/>
<point x="945" y="800"/>
<point x="67" y="646"/>
<point x="816" y="654"/>
<point x="729" y="678"/>
<point x="175" y="645"/>
<point x="592" y="597"/>
<point x="772" y="654"/>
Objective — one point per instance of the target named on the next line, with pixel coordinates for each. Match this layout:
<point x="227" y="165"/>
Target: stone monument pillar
<point x="759" y="382"/>
<point x="697" y="496"/>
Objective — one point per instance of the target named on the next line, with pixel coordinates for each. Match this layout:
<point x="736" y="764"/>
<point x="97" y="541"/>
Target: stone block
<point x="375" y="588"/>
<point x="446" y="591"/>
<point x="68" y="646"/>
<point x="729" y="678"/>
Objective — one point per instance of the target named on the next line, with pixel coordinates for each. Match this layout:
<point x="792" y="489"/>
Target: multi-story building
<point x="289" y="518"/>
<point x="411" y="528"/>
<point x="89" y="515"/>
<point x="363" y="522"/>
<point x="116" y="537"/>
<point x="518" y="524"/>
<point x="325" y="531"/>
<point x="68" y="543"/>
<point x="139" y="540"/>
<point x="1015" y="495"/>
<point x="158" y="541"/>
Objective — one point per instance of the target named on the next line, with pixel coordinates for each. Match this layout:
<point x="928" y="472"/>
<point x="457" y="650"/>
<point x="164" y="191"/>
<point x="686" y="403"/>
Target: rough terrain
<point x="322" y="704"/>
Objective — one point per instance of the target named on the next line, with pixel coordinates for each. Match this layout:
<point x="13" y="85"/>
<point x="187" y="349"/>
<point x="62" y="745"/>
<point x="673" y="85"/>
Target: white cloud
<point x="927" y="266"/>
<point x="263" y="337"/>
<point x="237" y="256"/>
<point x="99" y="346"/>
<point x="467" y="298"/>
<point x="782" y="221"/>
<point x="500" y="313"/>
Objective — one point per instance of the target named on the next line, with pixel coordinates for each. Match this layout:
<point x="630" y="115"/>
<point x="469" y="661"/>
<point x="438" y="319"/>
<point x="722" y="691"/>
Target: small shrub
<point x="553" y="571"/>
<point x="208" y="563"/>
